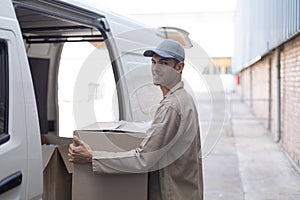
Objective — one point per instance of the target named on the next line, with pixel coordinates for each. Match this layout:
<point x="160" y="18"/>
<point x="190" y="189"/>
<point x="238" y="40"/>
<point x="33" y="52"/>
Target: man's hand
<point x="81" y="153"/>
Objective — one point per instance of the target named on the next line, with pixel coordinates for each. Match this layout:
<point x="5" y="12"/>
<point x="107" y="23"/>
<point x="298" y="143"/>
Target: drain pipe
<point x="278" y="97"/>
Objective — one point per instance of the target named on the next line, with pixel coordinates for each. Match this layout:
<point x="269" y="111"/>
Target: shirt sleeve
<point x="160" y="138"/>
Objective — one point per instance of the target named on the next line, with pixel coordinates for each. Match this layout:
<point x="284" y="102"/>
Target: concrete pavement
<point x="245" y="163"/>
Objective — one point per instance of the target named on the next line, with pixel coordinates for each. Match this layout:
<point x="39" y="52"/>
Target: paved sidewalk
<point x="246" y="164"/>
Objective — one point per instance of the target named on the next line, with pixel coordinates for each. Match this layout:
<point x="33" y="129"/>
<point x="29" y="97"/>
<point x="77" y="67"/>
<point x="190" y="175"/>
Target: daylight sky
<point x="166" y="6"/>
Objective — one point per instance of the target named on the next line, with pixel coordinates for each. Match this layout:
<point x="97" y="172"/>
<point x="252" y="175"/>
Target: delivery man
<point x="171" y="151"/>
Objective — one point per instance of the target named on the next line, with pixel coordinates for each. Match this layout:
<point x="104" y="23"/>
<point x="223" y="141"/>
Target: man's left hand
<point x="81" y="152"/>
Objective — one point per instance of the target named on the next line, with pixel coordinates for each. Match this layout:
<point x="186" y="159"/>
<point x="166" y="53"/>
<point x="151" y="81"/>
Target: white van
<point x="32" y="37"/>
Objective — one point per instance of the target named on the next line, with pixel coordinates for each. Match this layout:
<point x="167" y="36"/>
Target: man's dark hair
<point x="176" y="61"/>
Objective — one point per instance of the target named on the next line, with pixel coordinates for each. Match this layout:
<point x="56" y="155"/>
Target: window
<point x="86" y="87"/>
<point x="3" y="92"/>
<point x="228" y="70"/>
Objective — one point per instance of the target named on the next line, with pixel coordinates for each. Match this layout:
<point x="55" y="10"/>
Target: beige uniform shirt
<point x="171" y="152"/>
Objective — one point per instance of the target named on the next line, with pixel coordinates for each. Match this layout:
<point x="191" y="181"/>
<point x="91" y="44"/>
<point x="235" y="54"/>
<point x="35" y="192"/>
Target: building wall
<point x="246" y="86"/>
<point x="274" y="95"/>
<point x="259" y="91"/>
<point x="290" y="98"/>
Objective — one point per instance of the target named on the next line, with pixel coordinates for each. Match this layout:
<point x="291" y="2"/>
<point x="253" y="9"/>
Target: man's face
<point x="156" y="59"/>
<point x="164" y="71"/>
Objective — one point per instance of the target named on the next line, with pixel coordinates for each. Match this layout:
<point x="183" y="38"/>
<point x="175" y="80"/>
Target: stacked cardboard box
<point x="57" y="168"/>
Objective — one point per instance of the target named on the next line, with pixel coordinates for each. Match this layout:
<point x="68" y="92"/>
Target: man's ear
<point x="180" y="66"/>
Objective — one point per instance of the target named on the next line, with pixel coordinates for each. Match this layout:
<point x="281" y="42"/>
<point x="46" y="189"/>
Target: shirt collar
<point x="178" y="86"/>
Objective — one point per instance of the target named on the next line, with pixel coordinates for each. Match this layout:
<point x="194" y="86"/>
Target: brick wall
<point x="246" y="86"/>
<point x="259" y="91"/>
<point x="274" y="94"/>
<point x="255" y="89"/>
<point x="290" y="98"/>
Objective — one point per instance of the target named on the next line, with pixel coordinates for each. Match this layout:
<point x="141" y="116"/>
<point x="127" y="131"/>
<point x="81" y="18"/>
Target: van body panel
<point x="7" y="10"/>
<point x="34" y="180"/>
<point x="13" y="153"/>
<point x="22" y="153"/>
<point x="35" y="169"/>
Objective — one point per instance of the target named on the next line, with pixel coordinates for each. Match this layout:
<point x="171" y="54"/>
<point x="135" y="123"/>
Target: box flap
<point x="50" y="142"/>
<point x="47" y="154"/>
<point x="63" y="151"/>
<point x="121" y="126"/>
<point x="134" y="127"/>
<point x="53" y="139"/>
<point x="102" y="126"/>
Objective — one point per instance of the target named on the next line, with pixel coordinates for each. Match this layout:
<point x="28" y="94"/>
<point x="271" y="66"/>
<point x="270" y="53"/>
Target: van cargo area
<point x="45" y="27"/>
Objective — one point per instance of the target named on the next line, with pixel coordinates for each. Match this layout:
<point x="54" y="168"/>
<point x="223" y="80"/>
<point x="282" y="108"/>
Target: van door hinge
<point x="104" y="23"/>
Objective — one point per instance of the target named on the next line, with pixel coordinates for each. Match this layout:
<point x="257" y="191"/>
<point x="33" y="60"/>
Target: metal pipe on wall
<point x="278" y="97"/>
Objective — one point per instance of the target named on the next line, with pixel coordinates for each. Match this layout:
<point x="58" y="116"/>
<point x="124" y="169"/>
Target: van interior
<point x="46" y="27"/>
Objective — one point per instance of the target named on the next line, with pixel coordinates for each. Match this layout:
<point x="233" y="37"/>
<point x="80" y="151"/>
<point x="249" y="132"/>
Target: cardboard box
<point x="58" y="170"/>
<point x="87" y="185"/>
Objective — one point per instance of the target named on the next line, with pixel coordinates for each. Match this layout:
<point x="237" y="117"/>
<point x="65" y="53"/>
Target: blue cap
<point x="168" y="49"/>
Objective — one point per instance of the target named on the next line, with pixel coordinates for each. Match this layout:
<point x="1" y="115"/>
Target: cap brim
<point x="150" y="53"/>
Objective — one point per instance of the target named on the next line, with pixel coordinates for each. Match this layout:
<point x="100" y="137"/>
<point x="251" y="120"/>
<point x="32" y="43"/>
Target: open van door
<point x="178" y="34"/>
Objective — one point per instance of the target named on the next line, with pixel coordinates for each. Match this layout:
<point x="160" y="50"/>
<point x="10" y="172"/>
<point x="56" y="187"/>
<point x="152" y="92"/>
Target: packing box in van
<point x="57" y="173"/>
<point x="88" y="185"/>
